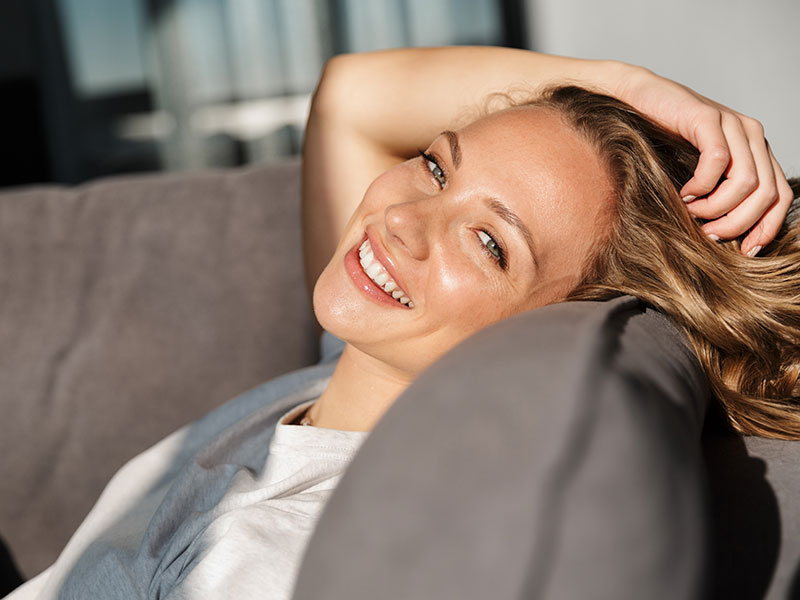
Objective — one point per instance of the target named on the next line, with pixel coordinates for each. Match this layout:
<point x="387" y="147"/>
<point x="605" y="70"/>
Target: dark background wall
<point x="51" y="132"/>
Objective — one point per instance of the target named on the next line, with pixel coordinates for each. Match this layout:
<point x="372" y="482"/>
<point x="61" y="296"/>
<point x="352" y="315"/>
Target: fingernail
<point x="753" y="251"/>
<point x="713" y="236"/>
<point x="689" y="198"/>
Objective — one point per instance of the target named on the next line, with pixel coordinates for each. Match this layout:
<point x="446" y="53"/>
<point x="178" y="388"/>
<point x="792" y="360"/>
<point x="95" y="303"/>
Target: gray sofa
<point x="133" y="305"/>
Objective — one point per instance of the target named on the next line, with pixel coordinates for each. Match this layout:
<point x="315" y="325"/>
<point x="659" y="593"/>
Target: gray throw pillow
<point x="555" y="454"/>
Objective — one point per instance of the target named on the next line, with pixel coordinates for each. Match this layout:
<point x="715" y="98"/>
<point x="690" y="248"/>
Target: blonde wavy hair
<point x="741" y="315"/>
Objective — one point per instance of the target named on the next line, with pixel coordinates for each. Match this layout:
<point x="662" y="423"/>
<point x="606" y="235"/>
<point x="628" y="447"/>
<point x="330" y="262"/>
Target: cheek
<point x="467" y="299"/>
<point x="384" y="189"/>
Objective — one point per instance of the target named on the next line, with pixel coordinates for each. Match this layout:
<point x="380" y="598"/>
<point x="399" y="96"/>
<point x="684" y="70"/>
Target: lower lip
<point x="368" y="287"/>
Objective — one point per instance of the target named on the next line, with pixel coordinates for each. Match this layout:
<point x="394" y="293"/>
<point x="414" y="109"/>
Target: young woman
<point x="458" y="217"/>
<point x="598" y="189"/>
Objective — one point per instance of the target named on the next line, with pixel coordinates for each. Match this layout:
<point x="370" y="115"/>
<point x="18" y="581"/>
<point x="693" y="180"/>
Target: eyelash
<point x="500" y="260"/>
<point x="430" y="158"/>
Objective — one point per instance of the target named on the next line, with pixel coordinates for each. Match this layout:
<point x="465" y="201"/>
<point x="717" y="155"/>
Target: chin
<point x="380" y="332"/>
<point x="336" y="306"/>
<point x="352" y="314"/>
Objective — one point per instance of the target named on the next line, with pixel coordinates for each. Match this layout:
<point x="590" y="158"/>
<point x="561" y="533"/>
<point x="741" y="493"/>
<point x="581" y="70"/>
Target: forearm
<point x="399" y="100"/>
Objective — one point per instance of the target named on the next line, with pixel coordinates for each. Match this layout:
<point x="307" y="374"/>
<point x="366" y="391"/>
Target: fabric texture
<point x="754" y="487"/>
<point x="129" y="307"/>
<point x="553" y="455"/>
<point x="220" y="508"/>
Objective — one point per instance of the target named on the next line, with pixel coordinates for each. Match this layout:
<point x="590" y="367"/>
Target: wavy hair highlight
<point x="740" y="314"/>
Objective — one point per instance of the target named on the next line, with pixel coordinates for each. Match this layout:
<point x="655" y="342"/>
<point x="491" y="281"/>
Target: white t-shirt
<point x="254" y="546"/>
<point x="232" y="523"/>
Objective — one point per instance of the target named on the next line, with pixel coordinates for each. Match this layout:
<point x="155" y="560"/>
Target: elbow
<point x="335" y="90"/>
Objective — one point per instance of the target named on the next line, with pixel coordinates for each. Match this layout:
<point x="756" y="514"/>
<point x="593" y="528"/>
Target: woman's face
<point x="495" y="219"/>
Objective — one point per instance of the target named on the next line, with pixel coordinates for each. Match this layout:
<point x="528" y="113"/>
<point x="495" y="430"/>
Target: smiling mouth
<point x="380" y="276"/>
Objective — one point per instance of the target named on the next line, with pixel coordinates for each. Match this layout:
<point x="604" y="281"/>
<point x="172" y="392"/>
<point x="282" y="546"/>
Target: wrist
<point x="611" y="76"/>
<point x="626" y="80"/>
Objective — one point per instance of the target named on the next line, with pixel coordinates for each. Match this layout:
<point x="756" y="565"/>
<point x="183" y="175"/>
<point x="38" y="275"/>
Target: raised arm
<point x="373" y="110"/>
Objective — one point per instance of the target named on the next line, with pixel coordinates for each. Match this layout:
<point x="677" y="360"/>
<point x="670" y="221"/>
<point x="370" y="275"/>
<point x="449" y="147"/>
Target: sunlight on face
<point x="492" y="220"/>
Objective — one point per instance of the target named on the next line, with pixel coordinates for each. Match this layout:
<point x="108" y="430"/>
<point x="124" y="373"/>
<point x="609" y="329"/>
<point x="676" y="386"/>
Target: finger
<point x="708" y="137"/>
<point x="770" y="224"/>
<point x="749" y="212"/>
<point x="742" y="176"/>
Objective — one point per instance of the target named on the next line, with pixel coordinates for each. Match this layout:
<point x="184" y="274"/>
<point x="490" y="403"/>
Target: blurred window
<point x="104" y="45"/>
<point x="224" y="82"/>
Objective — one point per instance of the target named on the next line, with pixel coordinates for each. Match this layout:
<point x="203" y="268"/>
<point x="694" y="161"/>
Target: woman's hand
<point x="738" y="185"/>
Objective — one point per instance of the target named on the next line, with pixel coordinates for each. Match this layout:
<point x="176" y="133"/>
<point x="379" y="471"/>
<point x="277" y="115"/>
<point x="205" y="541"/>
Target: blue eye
<point x="489" y="243"/>
<point x="492" y="249"/>
<point x="434" y="168"/>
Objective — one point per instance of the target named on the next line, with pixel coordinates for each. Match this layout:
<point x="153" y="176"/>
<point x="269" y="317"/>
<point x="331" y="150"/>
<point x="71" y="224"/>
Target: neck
<point x="360" y="391"/>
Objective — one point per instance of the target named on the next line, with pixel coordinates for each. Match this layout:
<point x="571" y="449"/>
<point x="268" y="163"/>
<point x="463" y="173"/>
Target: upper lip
<point x="380" y="253"/>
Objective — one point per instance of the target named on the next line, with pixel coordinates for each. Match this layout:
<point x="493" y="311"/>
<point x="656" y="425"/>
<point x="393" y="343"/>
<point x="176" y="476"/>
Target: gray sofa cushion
<point x="129" y="307"/>
<point x="754" y="487"/>
<point x="552" y="455"/>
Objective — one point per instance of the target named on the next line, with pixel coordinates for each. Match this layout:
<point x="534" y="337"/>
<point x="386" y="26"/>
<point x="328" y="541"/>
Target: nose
<point x="410" y="225"/>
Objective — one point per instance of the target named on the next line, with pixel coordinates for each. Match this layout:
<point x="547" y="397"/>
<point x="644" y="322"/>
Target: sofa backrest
<point x="129" y="307"/>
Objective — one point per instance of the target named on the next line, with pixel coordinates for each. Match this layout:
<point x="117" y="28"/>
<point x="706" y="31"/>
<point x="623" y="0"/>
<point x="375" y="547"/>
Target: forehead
<point x="548" y="174"/>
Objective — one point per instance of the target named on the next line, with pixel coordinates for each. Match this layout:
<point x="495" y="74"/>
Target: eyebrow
<point x="510" y="217"/>
<point x="455" y="147"/>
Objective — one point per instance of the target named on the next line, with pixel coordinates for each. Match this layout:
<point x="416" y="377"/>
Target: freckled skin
<point x="526" y="157"/>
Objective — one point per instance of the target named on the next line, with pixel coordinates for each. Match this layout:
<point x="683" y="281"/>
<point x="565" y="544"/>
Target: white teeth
<point x="378" y="273"/>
